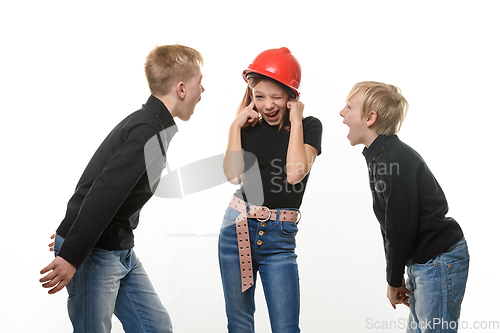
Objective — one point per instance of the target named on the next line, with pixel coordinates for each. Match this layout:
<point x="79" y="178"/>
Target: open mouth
<point x="272" y="116"/>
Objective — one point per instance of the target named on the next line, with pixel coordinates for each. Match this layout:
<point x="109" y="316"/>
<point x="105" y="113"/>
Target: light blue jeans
<point x="438" y="288"/>
<point x="113" y="282"/>
<point x="275" y="260"/>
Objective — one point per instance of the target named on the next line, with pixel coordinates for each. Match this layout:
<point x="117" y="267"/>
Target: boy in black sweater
<point x="411" y="209"/>
<point x="94" y="243"/>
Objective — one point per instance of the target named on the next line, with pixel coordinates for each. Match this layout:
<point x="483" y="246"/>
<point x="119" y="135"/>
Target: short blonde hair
<point x="167" y="64"/>
<point x="386" y="100"/>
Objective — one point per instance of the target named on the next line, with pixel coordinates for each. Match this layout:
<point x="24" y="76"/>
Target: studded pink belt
<point x="262" y="214"/>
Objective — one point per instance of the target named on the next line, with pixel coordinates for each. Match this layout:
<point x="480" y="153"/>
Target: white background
<point x="70" y="71"/>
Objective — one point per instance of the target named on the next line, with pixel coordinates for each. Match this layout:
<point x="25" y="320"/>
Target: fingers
<point x="59" y="273"/>
<point x="404" y="290"/>
<point x="53" y="281"/>
<point x="60" y="286"/>
<point x="49" y="280"/>
<point x="398" y="296"/>
<point x="251" y="105"/>
<point x="404" y="300"/>
<point x="293" y="103"/>
<point x="56" y="284"/>
<point x="51" y="245"/>
<point x="47" y="268"/>
<point x="252" y="115"/>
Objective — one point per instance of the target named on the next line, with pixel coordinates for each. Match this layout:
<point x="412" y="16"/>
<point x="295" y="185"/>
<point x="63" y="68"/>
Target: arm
<point x="300" y="157"/>
<point x="234" y="165"/>
<point x="401" y="219"/>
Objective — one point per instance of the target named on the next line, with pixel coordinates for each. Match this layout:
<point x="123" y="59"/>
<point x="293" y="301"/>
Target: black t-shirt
<point x="269" y="145"/>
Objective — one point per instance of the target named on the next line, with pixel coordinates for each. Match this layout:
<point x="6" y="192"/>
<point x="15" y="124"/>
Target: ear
<point x="180" y="89"/>
<point x="371" y="118"/>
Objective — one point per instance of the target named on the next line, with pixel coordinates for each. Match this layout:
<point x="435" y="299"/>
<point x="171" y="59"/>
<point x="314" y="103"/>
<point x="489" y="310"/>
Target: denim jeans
<point x="275" y="260"/>
<point x="113" y="282"/>
<point x="438" y="288"/>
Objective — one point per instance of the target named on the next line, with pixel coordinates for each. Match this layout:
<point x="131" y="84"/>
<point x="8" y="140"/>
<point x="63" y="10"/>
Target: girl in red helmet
<point x="270" y="152"/>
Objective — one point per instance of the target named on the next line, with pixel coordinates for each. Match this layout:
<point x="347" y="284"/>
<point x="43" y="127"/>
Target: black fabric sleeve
<point x="400" y="192"/>
<point x="313" y="130"/>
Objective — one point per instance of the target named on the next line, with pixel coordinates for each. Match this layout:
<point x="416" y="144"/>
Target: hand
<point x="247" y="116"/>
<point x="398" y="295"/>
<point x="60" y="273"/>
<point x="51" y="245"/>
<point x="296" y="111"/>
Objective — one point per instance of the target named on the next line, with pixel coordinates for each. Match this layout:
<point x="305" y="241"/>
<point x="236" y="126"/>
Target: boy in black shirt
<point x="94" y="243"/>
<point x="411" y="208"/>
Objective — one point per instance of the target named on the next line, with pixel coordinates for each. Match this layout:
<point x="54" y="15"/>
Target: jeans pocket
<point x="457" y="273"/>
<point x="289" y="229"/>
<point x="229" y="218"/>
<point x="71" y="286"/>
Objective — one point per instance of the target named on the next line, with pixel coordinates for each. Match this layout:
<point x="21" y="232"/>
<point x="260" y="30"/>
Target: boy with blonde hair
<point x="94" y="243"/>
<point x="411" y="209"/>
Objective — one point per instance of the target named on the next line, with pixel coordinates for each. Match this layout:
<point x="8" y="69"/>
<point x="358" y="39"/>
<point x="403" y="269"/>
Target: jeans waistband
<point x="462" y="241"/>
<point x="262" y="213"/>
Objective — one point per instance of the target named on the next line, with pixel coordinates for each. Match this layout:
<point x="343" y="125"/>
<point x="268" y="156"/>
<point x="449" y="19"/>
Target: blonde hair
<point x="167" y="64"/>
<point x="386" y="100"/>
<point x="247" y="98"/>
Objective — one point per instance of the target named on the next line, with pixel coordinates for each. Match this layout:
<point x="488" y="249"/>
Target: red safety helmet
<point x="278" y="64"/>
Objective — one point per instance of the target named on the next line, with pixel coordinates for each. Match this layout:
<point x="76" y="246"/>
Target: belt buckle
<point x="268" y="216"/>
<point x="299" y="214"/>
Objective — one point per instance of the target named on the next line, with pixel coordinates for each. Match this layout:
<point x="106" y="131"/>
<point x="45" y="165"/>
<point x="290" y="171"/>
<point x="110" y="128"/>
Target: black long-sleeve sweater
<point x="409" y="205"/>
<point x="117" y="182"/>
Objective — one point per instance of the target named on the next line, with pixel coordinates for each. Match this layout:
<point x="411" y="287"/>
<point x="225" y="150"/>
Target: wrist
<point x="235" y="126"/>
<point x="296" y="123"/>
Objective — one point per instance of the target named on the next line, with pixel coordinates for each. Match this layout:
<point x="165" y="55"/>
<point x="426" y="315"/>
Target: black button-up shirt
<point x="115" y="185"/>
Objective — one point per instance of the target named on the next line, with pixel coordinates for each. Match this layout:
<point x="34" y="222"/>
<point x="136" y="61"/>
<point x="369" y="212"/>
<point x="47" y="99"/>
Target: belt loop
<point x="277" y="219"/>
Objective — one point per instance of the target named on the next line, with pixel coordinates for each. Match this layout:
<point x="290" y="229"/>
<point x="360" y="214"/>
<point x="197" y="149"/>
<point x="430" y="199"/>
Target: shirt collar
<point x="161" y="111"/>
<point x="375" y="148"/>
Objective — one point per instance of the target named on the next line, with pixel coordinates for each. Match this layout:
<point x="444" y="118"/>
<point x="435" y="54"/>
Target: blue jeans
<point x="275" y="260"/>
<point x="113" y="282"/>
<point x="438" y="288"/>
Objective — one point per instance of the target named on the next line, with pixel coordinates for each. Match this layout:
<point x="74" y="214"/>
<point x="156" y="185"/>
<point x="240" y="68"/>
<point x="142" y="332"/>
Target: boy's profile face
<point x="358" y="128"/>
<point x="193" y="89"/>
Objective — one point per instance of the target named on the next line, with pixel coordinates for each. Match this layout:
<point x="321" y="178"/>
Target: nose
<point x="202" y="89"/>
<point x="269" y="104"/>
<point x="342" y="113"/>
